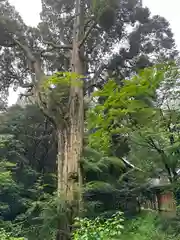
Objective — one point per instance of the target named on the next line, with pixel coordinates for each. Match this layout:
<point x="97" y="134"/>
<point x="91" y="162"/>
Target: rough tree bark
<point x="70" y="137"/>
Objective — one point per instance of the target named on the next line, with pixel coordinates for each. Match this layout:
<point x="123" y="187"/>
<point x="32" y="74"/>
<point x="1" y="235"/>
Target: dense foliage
<point x="147" y="120"/>
<point x="99" y="228"/>
<point x="6" y="236"/>
<point x="148" y="226"/>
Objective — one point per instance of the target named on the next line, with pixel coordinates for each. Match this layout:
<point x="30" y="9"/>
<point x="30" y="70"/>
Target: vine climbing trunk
<point x="70" y="135"/>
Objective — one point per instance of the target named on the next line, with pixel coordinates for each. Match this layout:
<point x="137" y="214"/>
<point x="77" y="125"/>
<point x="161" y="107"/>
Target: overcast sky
<point x="29" y="10"/>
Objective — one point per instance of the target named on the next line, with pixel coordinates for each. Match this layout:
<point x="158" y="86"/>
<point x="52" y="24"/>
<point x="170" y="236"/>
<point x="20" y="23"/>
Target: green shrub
<point x="146" y="227"/>
<point x="6" y="236"/>
<point x="99" y="228"/>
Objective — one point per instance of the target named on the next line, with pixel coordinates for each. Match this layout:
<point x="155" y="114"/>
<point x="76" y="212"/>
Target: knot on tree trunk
<point x="73" y="176"/>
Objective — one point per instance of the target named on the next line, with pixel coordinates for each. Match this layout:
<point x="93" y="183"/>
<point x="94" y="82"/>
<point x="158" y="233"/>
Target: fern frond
<point x="90" y="166"/>
<point x="92" y="153"/>
<point x="99" y="186"/>
<point x="114" y="161"/>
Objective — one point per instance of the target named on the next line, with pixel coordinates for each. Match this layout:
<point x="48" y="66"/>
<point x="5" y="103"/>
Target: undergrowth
<point x="148" y="226"/>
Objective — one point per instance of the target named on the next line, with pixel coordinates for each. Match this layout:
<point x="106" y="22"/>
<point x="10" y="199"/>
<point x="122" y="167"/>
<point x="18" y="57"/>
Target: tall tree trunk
<point x="70" y="136"/>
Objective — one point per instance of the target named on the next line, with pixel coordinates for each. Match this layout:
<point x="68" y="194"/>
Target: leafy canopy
<point x="125" y="107"/>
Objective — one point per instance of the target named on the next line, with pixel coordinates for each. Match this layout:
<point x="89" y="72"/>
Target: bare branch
<point x="65" y="47"/>
<point x="87" y="34"/>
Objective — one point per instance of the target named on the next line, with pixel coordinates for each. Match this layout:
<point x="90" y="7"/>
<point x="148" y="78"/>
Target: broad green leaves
<point x="99" y="228"/>
<point x="135" y="112"/>
<point x="125" y="107"/>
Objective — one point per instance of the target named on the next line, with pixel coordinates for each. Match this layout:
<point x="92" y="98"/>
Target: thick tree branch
<point x="26" y="50"/>
<point x="43" y="107"/>
<point x="34" y="65"/>
<point x="52" y="54"/>
<point x="87" y="34"/>
<point x="27" y="85"/>
<point x="65" y="47"/>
